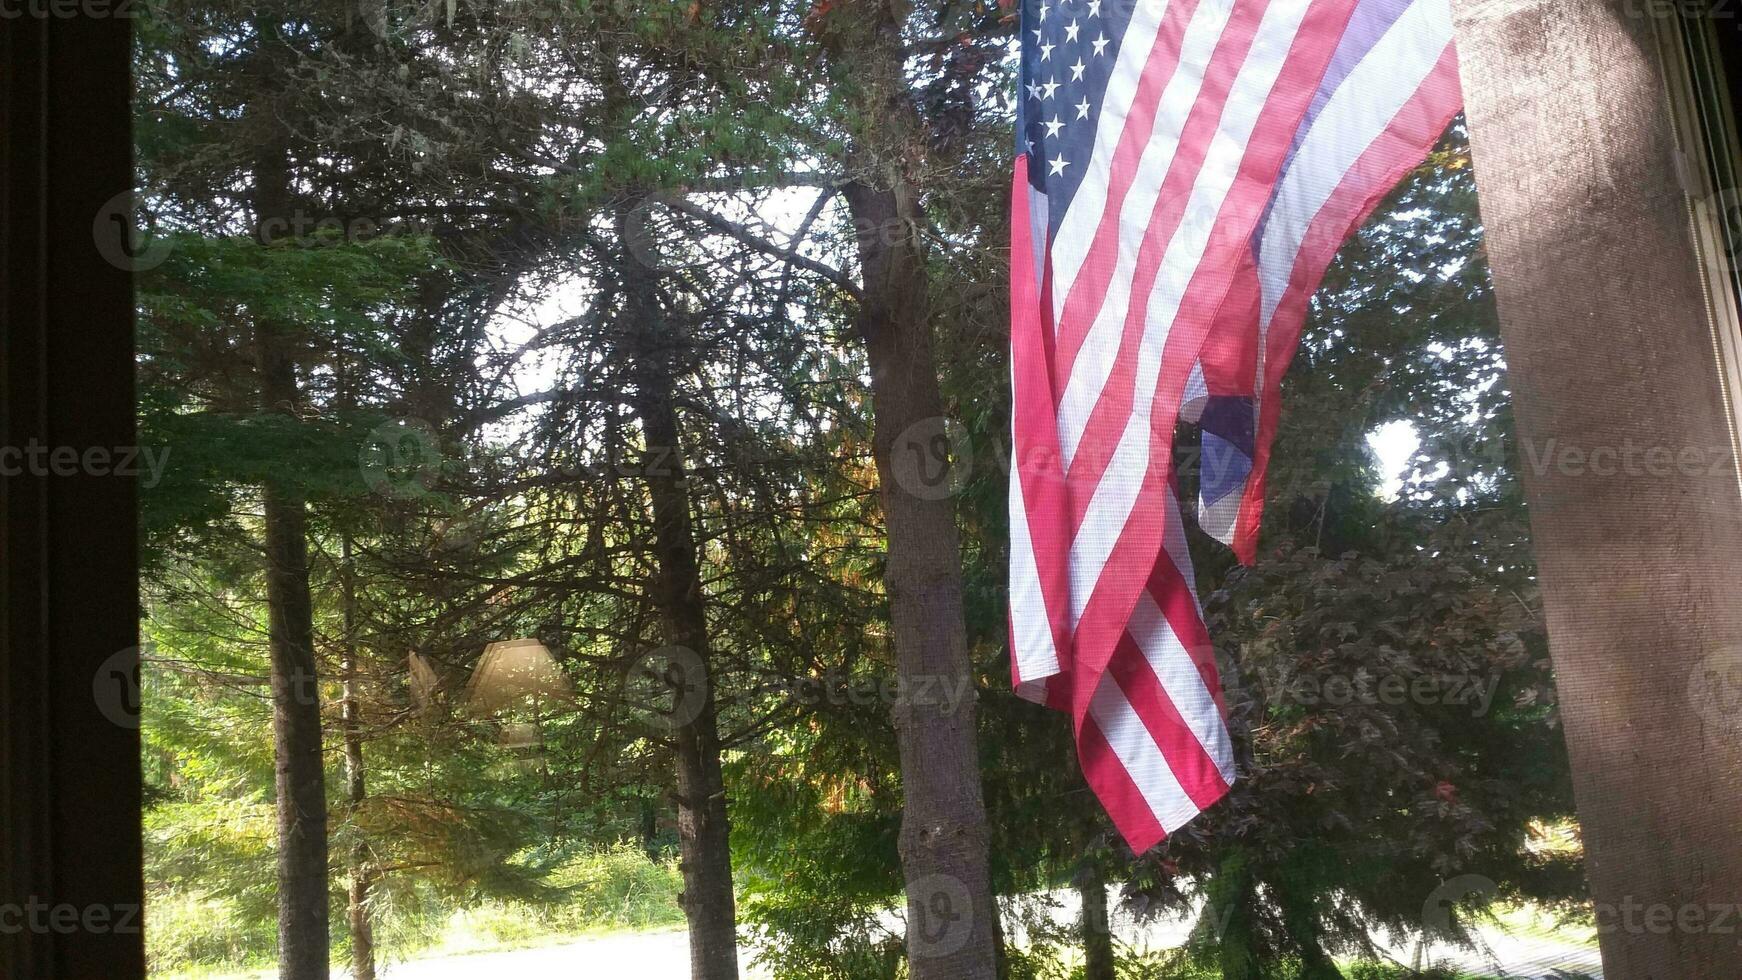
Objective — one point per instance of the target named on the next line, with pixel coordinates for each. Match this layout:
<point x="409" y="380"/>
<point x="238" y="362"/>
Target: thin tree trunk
<point x="300" y="780"/>
<point x="356" y="789"/>
<point x="1293" y="893"/>
<point x="703" y="833"/>
<point x="296" y="707"/>
<point x="1300" y="919"/>
<point x="1096" y="926"/>
<point x="1231" y="898"/>
<point x="357" y="918"/>
<point x="952" y="921"/>
<point x="951" y="918"/>
<point x="650" y="829"/>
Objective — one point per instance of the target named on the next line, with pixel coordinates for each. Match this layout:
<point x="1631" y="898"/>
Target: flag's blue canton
<point x="1068" y="51"/>
<point x="1225" y="455"/>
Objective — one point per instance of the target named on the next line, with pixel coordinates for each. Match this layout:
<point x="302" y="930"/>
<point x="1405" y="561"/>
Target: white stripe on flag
<point x="1218" y="518"/>
<point x="1140" y="756"/>
<point x="1115" y="495"/>
<point x="1036" y="656"/>
<point x="1197" y="391"/>
<point x="1357" y="114"/>
<point x="1101" y="344"/>
<point x="1037" y="227"/>
<point x="1180" y="552"/>
<point x="1179" y="677"/>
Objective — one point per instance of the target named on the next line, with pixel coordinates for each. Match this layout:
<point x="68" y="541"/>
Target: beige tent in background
<point x="512" y="672"/>
<point x="422" y="679"/>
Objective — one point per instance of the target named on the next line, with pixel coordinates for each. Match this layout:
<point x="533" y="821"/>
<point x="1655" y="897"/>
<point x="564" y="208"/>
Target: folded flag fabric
<point x="1185" y="172"/>
<point x="1391" y="91"/>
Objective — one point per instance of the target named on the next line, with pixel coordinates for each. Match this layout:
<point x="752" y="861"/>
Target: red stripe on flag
<point x="1113" y="786"/>
<point x="1089" y="289"/>
<point x="1186" y="756"/>
<point x="1398" y="150"/>
<point x="1176" y="597"/>
<point x="1139" y="543"/>
<point x="1034" y="431"/>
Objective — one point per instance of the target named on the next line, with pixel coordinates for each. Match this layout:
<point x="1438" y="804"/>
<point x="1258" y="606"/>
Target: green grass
<point x="194" y="937"/>
<point x="1540" y="923"/>
<point x="190" y="936"/>
<point x="613" y="891"/>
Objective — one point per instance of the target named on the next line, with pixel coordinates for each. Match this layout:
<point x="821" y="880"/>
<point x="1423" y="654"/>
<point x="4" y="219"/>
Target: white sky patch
<point x="1394" y="443"/>
<point x="535" y="364"/>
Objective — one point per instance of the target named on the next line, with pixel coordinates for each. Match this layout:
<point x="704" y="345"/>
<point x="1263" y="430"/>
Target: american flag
<point x="1185" y="171"/>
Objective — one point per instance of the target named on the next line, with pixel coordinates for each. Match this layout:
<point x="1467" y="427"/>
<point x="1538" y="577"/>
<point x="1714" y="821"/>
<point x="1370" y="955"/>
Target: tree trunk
<point x="650" y="829"/>
<point x="300" y="780"/>
<point x="1602" y="222"/>
<point x="1232" y="894"/>
<point x="357" y="918"/>
<point x="1294" y="895"/>
<point x="950" y="924"/>
<point x="356" y="790"/>
<point x="703" y="833"/>
<point x="1096" y="927"/>
<point x="296" y="708"/>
